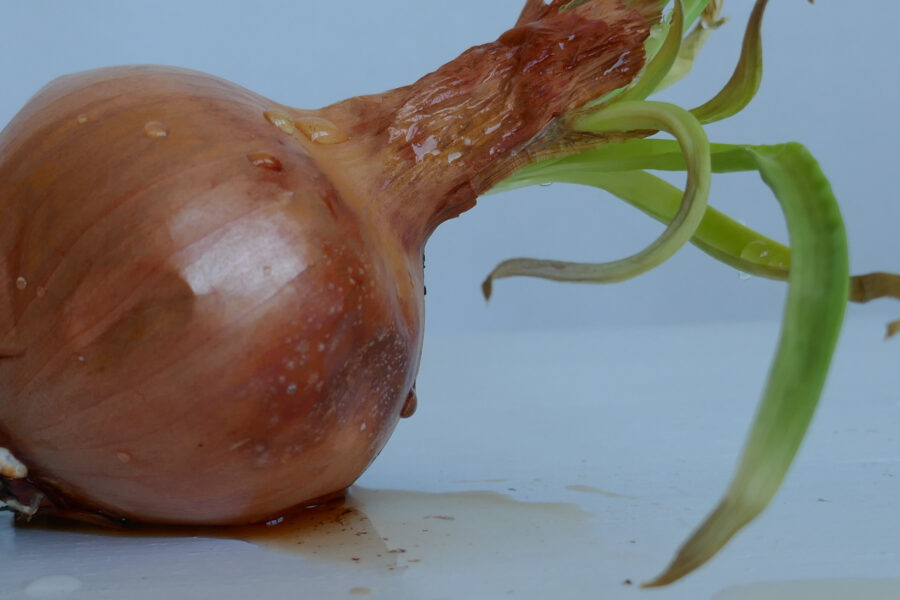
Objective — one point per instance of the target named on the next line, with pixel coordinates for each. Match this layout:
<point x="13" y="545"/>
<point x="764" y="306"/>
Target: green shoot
<point x="627" y="116"/>
<point x="693" y="43"/>
<point x="815" y="266"/>
<point x="817" y="295"/>
<point x="660" y="65"/>
<point x="745" y="80"/>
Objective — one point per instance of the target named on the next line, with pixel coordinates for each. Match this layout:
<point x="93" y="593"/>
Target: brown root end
<point x="29" y="499"/>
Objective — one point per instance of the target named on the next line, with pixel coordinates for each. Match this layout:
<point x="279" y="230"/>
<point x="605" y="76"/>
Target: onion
<point x="213" y="303"/>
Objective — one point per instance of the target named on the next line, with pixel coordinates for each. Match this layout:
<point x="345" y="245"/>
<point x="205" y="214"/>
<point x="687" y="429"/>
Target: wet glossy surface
<point x="558" y="465"/>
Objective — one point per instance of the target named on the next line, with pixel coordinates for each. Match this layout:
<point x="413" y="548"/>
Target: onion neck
<point x="439" y="143"/>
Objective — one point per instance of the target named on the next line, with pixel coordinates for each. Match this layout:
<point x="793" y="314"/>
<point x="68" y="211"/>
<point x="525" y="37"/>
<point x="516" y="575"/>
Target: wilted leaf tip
<point x="487" y="287"/>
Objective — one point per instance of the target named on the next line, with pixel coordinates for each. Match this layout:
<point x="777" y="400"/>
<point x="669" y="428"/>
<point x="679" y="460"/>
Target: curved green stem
<point x="817" y="295"/>
<point x="616" y="169"/>
<point x="662" y="37"/>
<point x="745" y="80"/>
<point x="692" y="11"/>
<point x="693" y="43"/>
<point x="816" y="266"/>
<point x="630" y="116"/>
<point x="718" y="235"/>
<point x="818" y="291"/>
<point x="660" y="65"/>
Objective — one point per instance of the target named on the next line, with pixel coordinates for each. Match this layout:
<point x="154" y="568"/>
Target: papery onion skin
<point x="199" y="313"/>
<point x="211" y="317"/>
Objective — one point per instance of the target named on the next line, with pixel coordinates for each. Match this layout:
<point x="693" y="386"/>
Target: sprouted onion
<point x="222" y="320"/>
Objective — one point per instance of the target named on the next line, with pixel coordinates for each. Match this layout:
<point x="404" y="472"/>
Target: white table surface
<point x="556" y="466"/>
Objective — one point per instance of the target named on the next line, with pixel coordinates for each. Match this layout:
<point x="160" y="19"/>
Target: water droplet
<point x="362" y="427"/>
<point x="321" y="131"/>
<point x="427" y="148"/>
<point x="744" y="276"/>
<point x="281" y="120"/>
<point x="53" y="586"/>
<point x="264" y="160"/>
<point x="21" y="283"/>
<point x="123" y="457"/>
<point x="452" y="158"/>
<point x="155" y="129"/>
<point x="80" y="357"/>
<point x="409" y="407"/>
<point x="292" y="389"/>
<point x="82" y="119"/>
<point x="41" y="290"/>
<point x="757" y="252"/>
<point x="547" y="184"/>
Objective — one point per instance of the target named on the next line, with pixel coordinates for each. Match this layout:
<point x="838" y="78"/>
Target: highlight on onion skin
<point x="213" y="303"/>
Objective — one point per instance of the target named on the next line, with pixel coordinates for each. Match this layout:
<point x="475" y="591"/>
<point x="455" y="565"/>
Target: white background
<point x="831" y="82"/>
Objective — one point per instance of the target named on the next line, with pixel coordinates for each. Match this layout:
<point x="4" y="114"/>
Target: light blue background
<point x="831" y="82"/>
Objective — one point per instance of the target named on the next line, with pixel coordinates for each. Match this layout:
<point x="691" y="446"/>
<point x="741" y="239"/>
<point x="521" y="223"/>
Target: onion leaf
<point x="662" y="36"/>
<point x="818" y="291"/>
<point x="817" y="295"/>
<point x="660" y="65"/>
<point x="693" y="43"/>
<point x="816" y="265"/>
<point x="616" y="169"/>
<point x="692" y="11"/>
<point x="745" y="80"/>
<point x="631" y="116"/>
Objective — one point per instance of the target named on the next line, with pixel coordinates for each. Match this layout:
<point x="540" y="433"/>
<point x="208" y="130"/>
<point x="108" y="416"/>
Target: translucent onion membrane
<point x="215" y="301"/>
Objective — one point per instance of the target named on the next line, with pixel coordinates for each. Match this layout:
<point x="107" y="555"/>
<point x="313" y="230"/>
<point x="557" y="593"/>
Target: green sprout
<point x="815" y="265"/>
